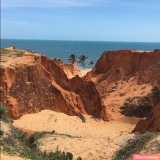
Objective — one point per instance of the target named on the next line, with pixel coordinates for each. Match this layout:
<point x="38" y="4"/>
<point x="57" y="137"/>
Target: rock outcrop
<point x="90" y="97"/>
<point x="152" y="123"/>
<point x="34" y="82"/>
<point x="116" y="65"/>
<point x="133" y="68"/>
<point x="42" y="83"/>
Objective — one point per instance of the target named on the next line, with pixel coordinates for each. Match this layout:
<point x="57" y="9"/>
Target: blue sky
<point x="95" y="20"/>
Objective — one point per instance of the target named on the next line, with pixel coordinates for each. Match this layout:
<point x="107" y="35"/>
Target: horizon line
<point x="80" y="40"/>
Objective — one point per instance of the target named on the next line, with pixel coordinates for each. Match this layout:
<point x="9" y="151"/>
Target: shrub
<point x="137" y="107"/>
<point x="3" y="110"/>
<point x="1" y="132"/>
<point x="133" y="146"/>
<point x="155" y="95"/>
<point x="82" y="118"/>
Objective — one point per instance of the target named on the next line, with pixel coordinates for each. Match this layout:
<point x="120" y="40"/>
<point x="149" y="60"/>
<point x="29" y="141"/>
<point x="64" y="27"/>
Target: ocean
<point x="62" y="49"/>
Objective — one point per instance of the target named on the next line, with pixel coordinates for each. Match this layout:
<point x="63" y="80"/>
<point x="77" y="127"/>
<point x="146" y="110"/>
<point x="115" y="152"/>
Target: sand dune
<point x="94" y="139"/>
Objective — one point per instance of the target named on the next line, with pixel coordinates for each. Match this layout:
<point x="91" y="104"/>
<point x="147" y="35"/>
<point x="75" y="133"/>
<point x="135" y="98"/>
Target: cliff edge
<point x="31" y="82"/>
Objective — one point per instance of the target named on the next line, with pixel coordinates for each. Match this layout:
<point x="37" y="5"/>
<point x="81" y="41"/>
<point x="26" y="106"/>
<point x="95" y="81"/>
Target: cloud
<point x="46" y="3"/>
<point x="15" y="23"/>
<point x="19" y="23"/>
<point x="77" y="3"/>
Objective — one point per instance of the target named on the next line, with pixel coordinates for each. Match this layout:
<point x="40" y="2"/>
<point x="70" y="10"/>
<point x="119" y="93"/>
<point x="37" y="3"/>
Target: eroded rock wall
<point x="116" y="65"/>
<point x="32" y="87"/>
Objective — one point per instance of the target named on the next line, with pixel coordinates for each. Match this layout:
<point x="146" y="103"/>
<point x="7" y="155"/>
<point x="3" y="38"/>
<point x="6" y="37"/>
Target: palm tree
<point x="72" y="58"/>
<point x="91" y="63"/>
<point x="82" y="60"/>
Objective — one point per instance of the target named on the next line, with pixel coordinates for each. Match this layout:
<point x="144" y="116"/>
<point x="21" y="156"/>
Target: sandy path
<point x="94" y="139"/>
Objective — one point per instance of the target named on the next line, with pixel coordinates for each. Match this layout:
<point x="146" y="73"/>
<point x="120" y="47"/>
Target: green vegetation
<point x="21" y="144"/>
<point x="27" y="147"/>
<point x="3" y="110"/>
<point x="155" y="95"/>
<point x="4" y="51"/>
<point x="82" y="60"/>
<point x="72" y="58"/>
<point x="141" y="106"/>
<point x="134" y="146"/>
<point x="3" y="115"/>
<point x="82" y="118"/>
<point x="15" y="52"/>
<point x="91" y="62"/>
<point x="18" y="53"/>
<point x="137" y="107"/>
<point x="95" y="118"/>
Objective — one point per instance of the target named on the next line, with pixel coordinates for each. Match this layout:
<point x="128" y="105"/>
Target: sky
<point x="87" y="20"/>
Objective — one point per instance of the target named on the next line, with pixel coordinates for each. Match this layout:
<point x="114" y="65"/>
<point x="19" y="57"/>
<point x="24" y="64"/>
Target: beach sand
<point x="94" y="139"/>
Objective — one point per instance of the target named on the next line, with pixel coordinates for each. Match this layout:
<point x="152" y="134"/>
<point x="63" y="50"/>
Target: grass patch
<point x="8" y="150"/>
<point x="134" y="146"/>
<point x="95" y="118"/>
<point x="18" y="53"/>
<point x="4" y="51"/>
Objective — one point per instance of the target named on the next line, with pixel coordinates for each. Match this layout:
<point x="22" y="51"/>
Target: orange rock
<point x="43" y="84"/>
<point x="152" y="123"/>
<point x="90" y="98"/>
<point x="121" y="63"/>
<point x="114" y="66"/>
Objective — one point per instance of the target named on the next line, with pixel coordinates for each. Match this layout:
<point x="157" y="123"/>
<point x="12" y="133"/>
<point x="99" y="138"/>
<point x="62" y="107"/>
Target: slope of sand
<point x="94" y="139"/>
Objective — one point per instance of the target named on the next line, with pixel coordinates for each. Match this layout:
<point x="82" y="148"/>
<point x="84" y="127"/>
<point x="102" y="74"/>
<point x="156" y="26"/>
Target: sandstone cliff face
<point x="133" y="68"/>
<point x="90" y="97"/>
<point x="130" y="60"/>
<point x="152" y="123"/>
<point x="42" y="84"/>
<point x="116" y="65"/>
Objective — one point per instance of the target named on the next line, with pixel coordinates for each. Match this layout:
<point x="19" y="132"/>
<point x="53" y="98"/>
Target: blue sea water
<point x="62" y="49"/>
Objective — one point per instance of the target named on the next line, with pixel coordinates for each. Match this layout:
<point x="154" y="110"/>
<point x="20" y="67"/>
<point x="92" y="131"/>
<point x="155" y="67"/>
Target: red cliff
<point x="116" y="65"/>
<point x="32" y="83"/>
